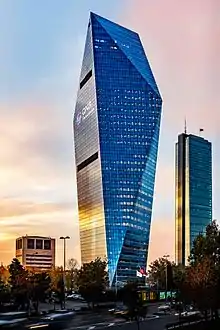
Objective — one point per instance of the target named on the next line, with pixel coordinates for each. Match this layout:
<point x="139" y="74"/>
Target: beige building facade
<point x="36" y="252"/>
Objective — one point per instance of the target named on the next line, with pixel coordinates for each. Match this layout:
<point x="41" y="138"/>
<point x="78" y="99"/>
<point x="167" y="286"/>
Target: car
<point x="190" y="315"/>
<point x="119" y="312"/>
<point x="74" y="296"/>
<point x="164" y="309"/>
<point x="58" y="319"/>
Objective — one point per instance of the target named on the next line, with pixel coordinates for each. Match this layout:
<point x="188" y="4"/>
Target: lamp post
<point x="116" y="283"/>
<point x="166" y="256"/>
<point x="64" y="238"/>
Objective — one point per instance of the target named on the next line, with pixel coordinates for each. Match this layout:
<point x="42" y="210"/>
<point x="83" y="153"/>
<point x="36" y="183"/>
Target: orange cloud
<point x="15" y="207"/>
<point x="51" y="221"/>
<point x="37" y="177"/>
<point x="161" y="239"/>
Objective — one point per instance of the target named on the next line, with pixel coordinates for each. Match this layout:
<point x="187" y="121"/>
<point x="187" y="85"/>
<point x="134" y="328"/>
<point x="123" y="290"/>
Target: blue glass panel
<point x="128" y="113"/>
<point x="129" y="42"/>
<point x="200" y="183"/>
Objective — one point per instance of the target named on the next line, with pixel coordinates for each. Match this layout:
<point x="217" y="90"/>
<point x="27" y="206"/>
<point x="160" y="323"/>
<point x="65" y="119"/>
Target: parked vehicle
<point x="193" y="315"/>
<point x="74" y="296"/>
<point x="164" y="308"/>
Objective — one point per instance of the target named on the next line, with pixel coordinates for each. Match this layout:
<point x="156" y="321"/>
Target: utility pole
<point x="116" y="284"/>
<point x="166" y="257"/>
<point x="64" y="238"/>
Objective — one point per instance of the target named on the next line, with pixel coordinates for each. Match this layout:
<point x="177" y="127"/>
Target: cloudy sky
<point x="41" y="47"/>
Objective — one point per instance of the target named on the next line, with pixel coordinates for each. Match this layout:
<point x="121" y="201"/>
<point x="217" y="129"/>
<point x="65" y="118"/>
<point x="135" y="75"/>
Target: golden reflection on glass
<point x="91" y="213"/>
<point x="187" y="206"/>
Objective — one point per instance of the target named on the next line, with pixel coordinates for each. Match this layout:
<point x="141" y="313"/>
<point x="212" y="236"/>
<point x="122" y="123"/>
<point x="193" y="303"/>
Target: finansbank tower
<point x="116" y="131"/>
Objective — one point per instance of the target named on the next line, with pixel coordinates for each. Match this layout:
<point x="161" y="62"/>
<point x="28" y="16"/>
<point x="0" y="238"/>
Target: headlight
<point x="48" y="318"/>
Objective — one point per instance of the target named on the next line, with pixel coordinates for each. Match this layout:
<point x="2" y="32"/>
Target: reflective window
<point x="193" y="191"/>
<point x="30" y="243"/>
<point x="39" y="244"/>
<point x="117" y="115"/>
<point x="18" y="244"/>
<point x="47" y="244"/>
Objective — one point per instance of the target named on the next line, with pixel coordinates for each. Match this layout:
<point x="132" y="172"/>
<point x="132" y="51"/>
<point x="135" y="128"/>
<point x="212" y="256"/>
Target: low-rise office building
<point x="36" y="252"/>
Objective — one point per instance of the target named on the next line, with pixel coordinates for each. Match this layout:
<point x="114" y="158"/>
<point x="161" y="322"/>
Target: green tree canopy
<point x="18" y="281"/>
<point x="157" y="273"/>
<point x="39" y="286"/>
<point x="202" y="282"/>
<point x="4" y="293"/>
<point x="92" y="280"/>
<point x="71" y="274"/>
<point x="207" y="246"/>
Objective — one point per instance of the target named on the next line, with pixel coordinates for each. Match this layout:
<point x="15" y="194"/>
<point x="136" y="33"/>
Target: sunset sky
<point x="41" y="48"/>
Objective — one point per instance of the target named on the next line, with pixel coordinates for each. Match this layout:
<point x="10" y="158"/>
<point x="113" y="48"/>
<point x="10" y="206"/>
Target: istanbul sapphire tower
<point x="116" y="130"/>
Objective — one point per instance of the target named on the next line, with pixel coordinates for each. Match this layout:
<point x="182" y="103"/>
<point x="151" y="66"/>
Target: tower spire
<point x="185" y="127"/>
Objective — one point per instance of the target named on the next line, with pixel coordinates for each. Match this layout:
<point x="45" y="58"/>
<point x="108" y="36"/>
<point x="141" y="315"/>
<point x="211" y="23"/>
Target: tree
<point x="60" y="292"/>
<point x="39" y="285"/>
<point x="133" y="300"/>
<point x="207" y="246"/>
<point x="18" y="281"/>
<point x="92" y="280"/>
<point x="4" y="293"/>
<point x="158" y="270"/>
<point x="200" y="285"/>
<point x="202" y="282"/>
<point x="71" y="274"/>
<point x="55" y="274"/>
<point x="57" y="284"/>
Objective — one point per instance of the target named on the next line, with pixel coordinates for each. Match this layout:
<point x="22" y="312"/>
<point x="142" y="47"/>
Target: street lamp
<point x="64" y="238"/>
<point x="116" y="282"/>
<point x="166" y="256"/>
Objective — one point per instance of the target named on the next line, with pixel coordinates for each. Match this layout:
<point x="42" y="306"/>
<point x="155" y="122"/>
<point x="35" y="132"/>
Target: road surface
<point x="98" y="322"/>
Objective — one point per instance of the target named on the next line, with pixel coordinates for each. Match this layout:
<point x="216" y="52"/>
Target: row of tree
<point x="27" y="288"/>
<point x="22" y="287"/>
<point x="198" y="283"/>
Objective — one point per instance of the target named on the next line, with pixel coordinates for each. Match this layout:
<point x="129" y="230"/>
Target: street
<point x="151" y="324"/>
<point x="103" y="319"/>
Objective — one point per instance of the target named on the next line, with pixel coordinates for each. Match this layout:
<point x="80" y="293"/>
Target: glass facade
<point x="193" y="191"/>
<point x="116" y="131"/>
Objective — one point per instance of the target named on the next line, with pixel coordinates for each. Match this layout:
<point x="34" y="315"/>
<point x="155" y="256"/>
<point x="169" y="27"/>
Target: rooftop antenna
<point x="185" y="127"/>
<point x="200" y="131"/>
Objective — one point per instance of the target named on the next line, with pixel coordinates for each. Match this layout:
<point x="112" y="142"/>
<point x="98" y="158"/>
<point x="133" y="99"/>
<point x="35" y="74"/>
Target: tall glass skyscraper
<point x="116" y="131"/>
<point x="193" y="192"/>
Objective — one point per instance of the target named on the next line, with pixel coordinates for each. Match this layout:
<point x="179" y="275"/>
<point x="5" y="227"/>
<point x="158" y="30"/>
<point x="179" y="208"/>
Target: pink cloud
<point x="181" y="39"/>
<point x="37" y="178"/>
<point x="161" y="239"/>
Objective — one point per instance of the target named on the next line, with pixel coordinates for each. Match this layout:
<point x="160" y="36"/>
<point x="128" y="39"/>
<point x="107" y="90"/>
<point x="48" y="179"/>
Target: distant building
<point x="116" y="133"/>
<point x="193" y="192"/>
<point x="36" y="252"/>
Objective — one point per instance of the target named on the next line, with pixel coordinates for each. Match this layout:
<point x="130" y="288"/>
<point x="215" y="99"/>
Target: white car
<point x="164" y="308"/>
<point x="74" y="296"/>
<point x="190" y="314"/>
